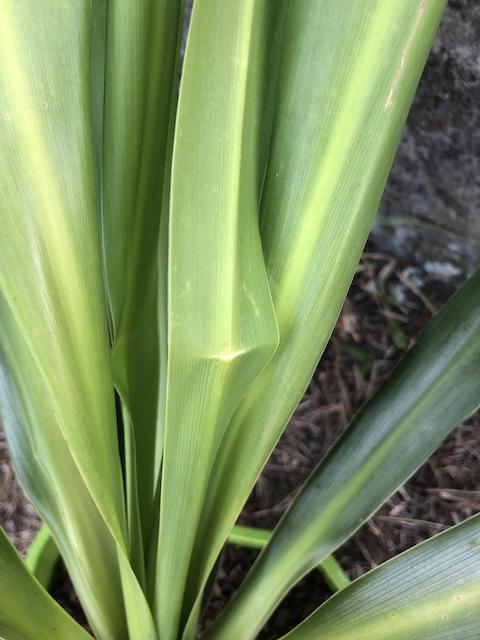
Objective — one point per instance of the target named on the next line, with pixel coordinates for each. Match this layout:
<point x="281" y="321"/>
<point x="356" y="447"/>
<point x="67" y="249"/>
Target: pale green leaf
<point x="49" y="261"/>
<point x="56" y="388"/>
<point x="222" y="329"/>
<point x="27" y="612"/>
<point x="431" y="592"/>
<point x="42" y="557"/>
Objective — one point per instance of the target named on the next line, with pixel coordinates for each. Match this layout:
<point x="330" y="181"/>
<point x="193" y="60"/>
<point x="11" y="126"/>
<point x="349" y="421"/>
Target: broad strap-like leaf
<point x="56" y="389"/>
<point x="348" y="74"/>
<point x="141" y="79"/>
<point x="431" y="592"/>
<point x="27" y="612"/>
<point x="434" y="388"/>
<point x="50" y="270"/>
<point x="222" y="329"/>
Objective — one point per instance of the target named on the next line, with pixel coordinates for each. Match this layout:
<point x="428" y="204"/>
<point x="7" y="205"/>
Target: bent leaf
<point x="221" y="327"/>
<point x="431" y="592"/>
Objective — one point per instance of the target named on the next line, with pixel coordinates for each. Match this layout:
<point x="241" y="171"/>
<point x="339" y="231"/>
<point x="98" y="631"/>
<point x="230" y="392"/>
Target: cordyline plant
<point x="172" y="264"/>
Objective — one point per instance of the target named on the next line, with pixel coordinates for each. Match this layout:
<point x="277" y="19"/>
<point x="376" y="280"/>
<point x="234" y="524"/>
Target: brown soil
<point x="17" y="516"/>
<point x="386" y="309"/>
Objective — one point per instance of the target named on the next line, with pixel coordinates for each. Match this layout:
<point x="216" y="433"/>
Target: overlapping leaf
<point x="435" y="387"/>
<point x="264" y="236"/>
<point x="348" y="74"/>
<point x="141" y="77"/>
<point x="56" y="384"/>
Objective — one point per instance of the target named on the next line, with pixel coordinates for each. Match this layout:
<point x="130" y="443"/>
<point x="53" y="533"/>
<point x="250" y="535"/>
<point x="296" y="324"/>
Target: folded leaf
<point x="27" y="612"/>
<point x="431" y="592"/>
<point x="434" y="388"/>
<point x="222" y="329"/>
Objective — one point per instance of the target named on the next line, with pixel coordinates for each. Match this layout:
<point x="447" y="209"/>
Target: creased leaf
<point x="222" y="329"/>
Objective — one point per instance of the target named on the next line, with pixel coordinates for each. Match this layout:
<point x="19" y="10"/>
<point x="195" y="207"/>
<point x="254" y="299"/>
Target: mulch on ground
<point x="386" y="309"/>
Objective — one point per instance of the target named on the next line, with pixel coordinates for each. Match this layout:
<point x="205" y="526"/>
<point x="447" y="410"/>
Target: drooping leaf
<point x="27" y="612"/>
<point x="431" y="592"/>
<point x="434" y="388"/>
<point x="348" y="74"/>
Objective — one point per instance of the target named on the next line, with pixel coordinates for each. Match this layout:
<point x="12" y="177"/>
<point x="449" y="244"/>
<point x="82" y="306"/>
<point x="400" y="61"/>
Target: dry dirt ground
<point x="387" y="307"/>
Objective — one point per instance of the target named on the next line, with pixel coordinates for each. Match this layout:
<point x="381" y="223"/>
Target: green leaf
<point x="255" y="538"/>
<point x="431" y="592"/>
<point x="140" y="88"/>
<point x="56" y="389"/>
<point x="50" y="269"/>
<point x="222" y="329"/>
<point x="348" y="74"/>
<point x="434" y="388"/>
<point x="27" y="612"/>
<point x="42" y="557"/>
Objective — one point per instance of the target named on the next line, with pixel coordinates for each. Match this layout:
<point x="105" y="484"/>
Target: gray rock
<point x="430" y="211"/>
